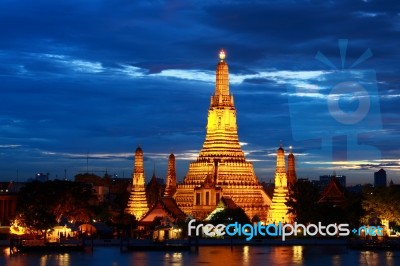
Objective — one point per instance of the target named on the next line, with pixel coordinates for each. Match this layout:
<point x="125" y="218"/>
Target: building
<point x="333" y="193"/>
<point x="279" y="211"/>
<point x="101" y="186"/>
<point x="42" y="177"/>
<point x="164" y="208"/>
<point x="154" y="190"/>
<point x="221" y="168"/>
<point x="8" y="206"/>
<point x="137" y="203"/>
<point x="291" y="173"/>
<point x="324" y="180"/>
<point x="171" y="177"/>
<point x="380" y="178"/>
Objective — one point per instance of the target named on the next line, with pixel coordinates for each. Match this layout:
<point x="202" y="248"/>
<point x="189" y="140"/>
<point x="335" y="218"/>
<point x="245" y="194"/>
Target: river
<point x="210" y="255"/>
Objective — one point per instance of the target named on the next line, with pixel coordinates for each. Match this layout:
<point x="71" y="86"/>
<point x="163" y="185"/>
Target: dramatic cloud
<point x="84" y="82"/>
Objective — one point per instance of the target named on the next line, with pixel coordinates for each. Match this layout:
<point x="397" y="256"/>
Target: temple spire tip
<point x="222" y="54"/>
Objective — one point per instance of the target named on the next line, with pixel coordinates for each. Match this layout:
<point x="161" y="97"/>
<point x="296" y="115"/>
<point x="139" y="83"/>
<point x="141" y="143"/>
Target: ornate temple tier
<point x="221" y="168"/>
<point x="278" y="210"/>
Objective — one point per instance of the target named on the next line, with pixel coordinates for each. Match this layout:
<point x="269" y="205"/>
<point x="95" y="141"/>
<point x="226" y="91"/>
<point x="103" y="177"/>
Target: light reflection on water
<point x="218" y="255"/>
<point x="391" y="258"/>
<point x="173" y="258"/>
<point x="297" y="257"/>
<point x="62" y="259"/>
<point x="245" y="259"/>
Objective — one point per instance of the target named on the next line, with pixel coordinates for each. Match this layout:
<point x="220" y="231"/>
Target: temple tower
<point x="221" y="168"/>
<point x="291" y="173"/>
<point x="154" y="190"/>
<point x="137" y="203"/>
<point x="171" y="177"/>
<point x="279" y="211"/>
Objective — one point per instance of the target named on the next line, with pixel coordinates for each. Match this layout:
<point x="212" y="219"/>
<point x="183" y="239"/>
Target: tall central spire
<point x="222" y="77"/>
<point x="222" y="138"/>
<point x="221" y="169"/>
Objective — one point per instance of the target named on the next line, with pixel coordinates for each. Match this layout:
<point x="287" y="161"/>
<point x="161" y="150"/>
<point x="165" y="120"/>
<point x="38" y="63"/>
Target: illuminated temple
<point x="137" y="203"/>
<point x="283" y="180"/>
<point x="221" y="168"/>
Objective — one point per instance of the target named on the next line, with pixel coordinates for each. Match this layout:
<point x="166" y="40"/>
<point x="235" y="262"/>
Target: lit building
<point x="380" y="178"/>
<point x="278" y="211"/>
<point x="137" y="203"/>
<point x="221" y="168"/>
<point x="165" y="207"/>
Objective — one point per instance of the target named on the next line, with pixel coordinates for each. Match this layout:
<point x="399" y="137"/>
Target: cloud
<point x="91" y="156"/>
<point x="11" y="146"/>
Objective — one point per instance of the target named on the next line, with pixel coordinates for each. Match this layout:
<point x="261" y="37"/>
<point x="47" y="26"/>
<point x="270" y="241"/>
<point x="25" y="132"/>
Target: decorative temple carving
<point x="221" y="168"/>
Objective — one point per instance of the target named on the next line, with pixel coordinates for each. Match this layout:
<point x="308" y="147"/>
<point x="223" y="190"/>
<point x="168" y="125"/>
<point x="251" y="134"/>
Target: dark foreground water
<point x="221" y="256"/>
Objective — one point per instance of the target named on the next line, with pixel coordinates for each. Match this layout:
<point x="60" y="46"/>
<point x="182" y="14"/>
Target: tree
<point x="73" y="201"/>
<point x="229" y="215"/>
<point x="353" y="208"/>
<point x="382" y="204"/>
<point x="34" y="209"/>
<point x="302" y="202"/>
<point x="42" y="204"/>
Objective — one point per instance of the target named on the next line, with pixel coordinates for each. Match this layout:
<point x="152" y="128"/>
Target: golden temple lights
<point x="221" y="168"/>
<point x="137" y="204"/>
<point x="278" y="210"/>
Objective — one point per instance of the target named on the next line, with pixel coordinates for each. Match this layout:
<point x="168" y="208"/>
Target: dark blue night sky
<point x="98" y="78"/>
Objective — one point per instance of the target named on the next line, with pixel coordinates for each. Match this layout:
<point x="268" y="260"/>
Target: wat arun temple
<point x="220" y="171"/>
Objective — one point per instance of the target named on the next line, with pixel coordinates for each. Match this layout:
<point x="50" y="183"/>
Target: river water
<point x="219" y="255"/>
